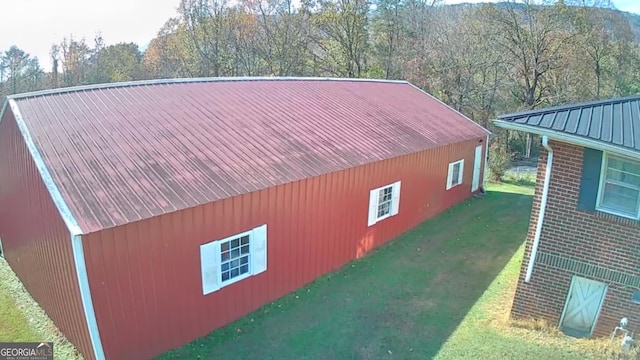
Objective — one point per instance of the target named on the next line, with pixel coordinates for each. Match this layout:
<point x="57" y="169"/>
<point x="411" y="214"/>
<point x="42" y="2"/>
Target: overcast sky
<point x="33" y="25"/>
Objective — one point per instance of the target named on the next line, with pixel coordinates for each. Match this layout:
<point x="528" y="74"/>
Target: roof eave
<point x="43" y="170"/>
<point x="190" y="80"/>
<point x="573" y="106"/>
<point x="568" y="138"/>
<point x="487" y="131"/>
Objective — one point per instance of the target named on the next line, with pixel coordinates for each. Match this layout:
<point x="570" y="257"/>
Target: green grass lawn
<point x="14" y="325"/>
<point x="418" y="297"/>
<point x="22" y="320"/>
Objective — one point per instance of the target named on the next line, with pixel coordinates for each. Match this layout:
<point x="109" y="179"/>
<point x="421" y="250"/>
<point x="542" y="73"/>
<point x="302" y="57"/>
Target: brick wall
<point x="593" y="239"/>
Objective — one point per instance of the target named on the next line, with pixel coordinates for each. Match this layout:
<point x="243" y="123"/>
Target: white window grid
<point x="385" y="198"/>
<point x="234" y="258"/>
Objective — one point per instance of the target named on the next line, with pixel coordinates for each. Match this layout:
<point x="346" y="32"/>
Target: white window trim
<point x="603" y="172"/>
<point x="374" y="197"/>
<point x="1" y="249"/>
<point x="210" y="259"/>
<point x="450" y="174"/>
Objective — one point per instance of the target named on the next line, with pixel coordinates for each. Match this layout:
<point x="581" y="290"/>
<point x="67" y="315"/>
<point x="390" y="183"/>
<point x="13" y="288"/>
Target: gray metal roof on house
<point x="611" y="122"/>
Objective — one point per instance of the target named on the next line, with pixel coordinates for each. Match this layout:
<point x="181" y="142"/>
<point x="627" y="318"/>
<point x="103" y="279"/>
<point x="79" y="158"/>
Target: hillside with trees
<point x="481" y="59"/>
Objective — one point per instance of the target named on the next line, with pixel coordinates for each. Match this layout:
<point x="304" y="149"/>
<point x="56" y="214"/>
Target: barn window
<point x="454" y="176"/>
<point x="232" y="259"/>
<point x="384" y="202"/>
<point x="620" y="187"/>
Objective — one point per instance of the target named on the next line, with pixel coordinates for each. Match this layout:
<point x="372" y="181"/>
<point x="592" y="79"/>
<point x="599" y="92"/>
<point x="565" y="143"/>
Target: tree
<point x="54" y="53"/>
<point x="533" y="40"/>
<point x="74" y="59"/>
<point x="598" y="28"/>
<point x="115" y="63"/>
<point x="387" y="31"/>
<point x="341" y="37"/>
<point x="172" y="53"/>
<point x="20" y="72"/>
<point x="206" y="23"/>
<point x="281" y="35"/>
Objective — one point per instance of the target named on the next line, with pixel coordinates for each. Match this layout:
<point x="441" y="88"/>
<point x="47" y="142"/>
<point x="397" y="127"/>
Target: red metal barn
<point x="144" y="215"/>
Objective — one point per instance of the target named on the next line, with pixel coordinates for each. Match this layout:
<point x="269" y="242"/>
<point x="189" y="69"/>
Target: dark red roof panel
<point x="124" y="153"/>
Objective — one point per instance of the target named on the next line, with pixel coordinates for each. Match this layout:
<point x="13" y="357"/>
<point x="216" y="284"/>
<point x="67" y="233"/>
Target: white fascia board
<point x="74" y="230"/>
<point x="50" y="184"/>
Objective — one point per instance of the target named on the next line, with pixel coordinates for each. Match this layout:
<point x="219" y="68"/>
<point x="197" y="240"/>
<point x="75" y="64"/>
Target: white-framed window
<point x="229" y="260"/>
<point x="384" y="202"/>
<point x="454" y="176"/>
<point x="619" y="191"/>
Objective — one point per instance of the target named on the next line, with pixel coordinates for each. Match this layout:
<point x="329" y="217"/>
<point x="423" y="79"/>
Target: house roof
<point x="612" y="124"/>
<point x="119" y="153"/>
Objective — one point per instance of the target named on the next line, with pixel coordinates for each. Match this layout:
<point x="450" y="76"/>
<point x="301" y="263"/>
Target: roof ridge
<point x="167" y="81"/>
<point x="570" y="106"/>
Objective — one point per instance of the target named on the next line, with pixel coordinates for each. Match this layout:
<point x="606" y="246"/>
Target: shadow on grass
<point x="402" y="301"/>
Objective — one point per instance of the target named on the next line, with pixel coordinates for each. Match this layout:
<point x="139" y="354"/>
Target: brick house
<point x="584" y="233"/>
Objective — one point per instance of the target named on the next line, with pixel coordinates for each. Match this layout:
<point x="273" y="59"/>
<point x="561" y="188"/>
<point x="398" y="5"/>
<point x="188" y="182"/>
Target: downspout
<point x="484" y="169"/>
<point x="543" y="207"/>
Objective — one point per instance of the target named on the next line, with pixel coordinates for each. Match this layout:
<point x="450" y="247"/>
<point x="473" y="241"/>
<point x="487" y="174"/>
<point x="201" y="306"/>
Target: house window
<point x="454" y="176"/>
<point x="620" y="187"/>
<point x="384" y="202"/>
<point x="226" y="261"/>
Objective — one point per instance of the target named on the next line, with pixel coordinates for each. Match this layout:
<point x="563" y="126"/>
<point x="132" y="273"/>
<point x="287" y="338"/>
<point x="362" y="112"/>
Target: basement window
<point x="454" y="176"/>
<point x="384" y="202"/>
<point x="620" y="187"/>
<point x="233" y="259"/>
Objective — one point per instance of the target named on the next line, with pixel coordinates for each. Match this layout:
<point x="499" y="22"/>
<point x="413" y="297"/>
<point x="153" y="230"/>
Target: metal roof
<point x="119" y="153"/>
<point x="612" y="123"/>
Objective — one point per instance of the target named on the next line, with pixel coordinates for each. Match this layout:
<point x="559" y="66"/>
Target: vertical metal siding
<point x="36" y="241"/>
<point x="145" y="276"/>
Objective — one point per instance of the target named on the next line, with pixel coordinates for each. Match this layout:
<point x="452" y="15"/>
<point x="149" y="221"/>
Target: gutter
<point x="543" y="207"/>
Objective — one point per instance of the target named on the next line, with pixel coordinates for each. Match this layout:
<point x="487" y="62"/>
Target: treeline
<point x="480" y="59"/>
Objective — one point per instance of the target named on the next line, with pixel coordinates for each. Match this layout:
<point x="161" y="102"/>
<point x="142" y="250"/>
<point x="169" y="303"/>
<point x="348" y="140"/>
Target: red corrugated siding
<point x="36" y="242"/>
<point x="145" y="276"/>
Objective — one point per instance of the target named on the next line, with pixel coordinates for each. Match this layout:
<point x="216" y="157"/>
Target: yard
<point x="22" y="320"/>
<point x="441" y="290"/>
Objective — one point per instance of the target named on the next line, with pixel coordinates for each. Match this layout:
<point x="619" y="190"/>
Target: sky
<point x="34" y="25"/>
